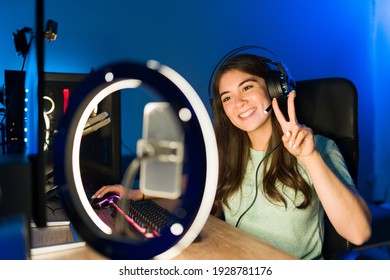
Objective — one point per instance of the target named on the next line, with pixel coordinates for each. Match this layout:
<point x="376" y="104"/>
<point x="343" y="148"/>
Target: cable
<point x="256" y="187"/>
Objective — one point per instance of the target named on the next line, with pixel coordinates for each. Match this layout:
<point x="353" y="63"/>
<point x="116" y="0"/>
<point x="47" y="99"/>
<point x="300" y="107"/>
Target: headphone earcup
<point x="273" y="84"/>
<point x="278" y="84"/>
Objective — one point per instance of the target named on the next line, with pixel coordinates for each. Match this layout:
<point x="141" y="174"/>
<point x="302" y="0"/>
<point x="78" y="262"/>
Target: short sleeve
<point x="333" y="158"/>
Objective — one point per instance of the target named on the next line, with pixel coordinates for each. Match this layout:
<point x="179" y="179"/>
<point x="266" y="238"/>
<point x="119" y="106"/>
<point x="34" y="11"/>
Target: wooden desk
<point x="219" y="241"/>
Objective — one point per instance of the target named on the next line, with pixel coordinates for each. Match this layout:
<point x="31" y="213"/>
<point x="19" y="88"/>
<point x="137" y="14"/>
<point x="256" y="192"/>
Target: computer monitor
<point x="34" y="119"/>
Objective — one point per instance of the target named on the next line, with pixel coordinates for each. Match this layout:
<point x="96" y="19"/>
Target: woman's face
<point x="244" y="98"/>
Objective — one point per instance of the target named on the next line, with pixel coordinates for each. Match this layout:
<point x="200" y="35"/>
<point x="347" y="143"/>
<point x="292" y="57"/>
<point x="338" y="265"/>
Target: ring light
<point x="200" y="150"/>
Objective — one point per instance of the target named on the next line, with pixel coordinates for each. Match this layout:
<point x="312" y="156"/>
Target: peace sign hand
<point x="297" y="138"/>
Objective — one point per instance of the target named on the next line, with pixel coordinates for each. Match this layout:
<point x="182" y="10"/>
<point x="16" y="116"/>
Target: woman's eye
<point x="227" y="98"/>
<point x="246" y="88"/>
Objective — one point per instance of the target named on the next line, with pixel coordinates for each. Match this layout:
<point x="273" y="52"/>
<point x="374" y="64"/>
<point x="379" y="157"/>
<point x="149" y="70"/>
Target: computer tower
<point x="15" y="111"/>
<point x="100" y="151"/>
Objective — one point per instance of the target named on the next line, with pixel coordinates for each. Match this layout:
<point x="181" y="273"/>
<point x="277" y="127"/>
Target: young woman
<point x="276" y="178"/>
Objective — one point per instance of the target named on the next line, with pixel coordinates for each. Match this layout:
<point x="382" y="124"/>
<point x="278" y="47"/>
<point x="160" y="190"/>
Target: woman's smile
<point x="247" y="113"/>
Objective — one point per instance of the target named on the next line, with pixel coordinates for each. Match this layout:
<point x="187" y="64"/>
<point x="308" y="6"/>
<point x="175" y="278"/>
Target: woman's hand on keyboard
<point x="132" y="194"/>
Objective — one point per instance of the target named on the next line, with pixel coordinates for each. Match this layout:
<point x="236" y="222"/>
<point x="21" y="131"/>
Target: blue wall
<point x="314" y="39"/>
<point x="381" y="99"/>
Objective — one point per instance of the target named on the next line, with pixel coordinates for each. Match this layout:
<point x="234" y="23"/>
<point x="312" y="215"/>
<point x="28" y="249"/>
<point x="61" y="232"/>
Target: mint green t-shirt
<point x="299" y="232"/>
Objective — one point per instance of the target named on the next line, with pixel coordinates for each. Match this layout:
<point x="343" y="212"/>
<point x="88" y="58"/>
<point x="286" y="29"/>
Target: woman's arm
<point x="345" y="208"/>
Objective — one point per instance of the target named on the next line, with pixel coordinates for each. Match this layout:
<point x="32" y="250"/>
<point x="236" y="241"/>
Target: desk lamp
<point x="200" y="152"/>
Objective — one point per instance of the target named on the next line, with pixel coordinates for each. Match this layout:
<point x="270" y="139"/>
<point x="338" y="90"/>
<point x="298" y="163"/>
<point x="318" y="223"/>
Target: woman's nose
<point x="240" y="101"/>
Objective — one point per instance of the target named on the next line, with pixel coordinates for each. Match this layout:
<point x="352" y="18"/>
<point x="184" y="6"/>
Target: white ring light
<point x="111" y="88"/>
<point x="70" y="138"/>
<point x="211" y="155"/>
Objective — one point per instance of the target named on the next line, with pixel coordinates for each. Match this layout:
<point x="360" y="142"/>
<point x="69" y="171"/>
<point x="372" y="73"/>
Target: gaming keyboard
<point x="147" y="217"/>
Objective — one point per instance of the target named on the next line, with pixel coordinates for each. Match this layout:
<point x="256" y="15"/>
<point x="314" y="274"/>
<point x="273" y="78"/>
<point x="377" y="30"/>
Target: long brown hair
<point x="234" y="146"/>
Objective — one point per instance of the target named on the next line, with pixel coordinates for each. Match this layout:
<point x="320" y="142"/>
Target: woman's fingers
<point x="279" y="115"/>
<point x="291" y="108"/>
<point x="299" y="141"/>
<point x="297" y="136"/>
<point x="106" y="189"/>
<point x="286" y="125"/>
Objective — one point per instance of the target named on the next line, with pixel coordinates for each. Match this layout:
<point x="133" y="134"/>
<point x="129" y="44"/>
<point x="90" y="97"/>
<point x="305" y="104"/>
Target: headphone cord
<point x="256" y="187"/>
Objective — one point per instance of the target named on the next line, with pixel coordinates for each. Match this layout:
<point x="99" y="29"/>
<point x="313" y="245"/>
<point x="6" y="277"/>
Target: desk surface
<point x="219" y="241"/>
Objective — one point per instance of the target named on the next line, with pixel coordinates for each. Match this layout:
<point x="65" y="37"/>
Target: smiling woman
<point x="276" y="177"/>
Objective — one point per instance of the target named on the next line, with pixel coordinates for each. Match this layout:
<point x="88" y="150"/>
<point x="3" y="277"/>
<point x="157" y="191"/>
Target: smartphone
<point x="161" y="151"/>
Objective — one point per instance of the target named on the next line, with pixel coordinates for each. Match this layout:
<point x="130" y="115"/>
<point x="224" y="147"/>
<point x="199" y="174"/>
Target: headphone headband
<point x="279" y="82"/>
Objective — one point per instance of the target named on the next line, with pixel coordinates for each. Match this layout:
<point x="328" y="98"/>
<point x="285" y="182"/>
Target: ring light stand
<point x="200" y="150"/>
